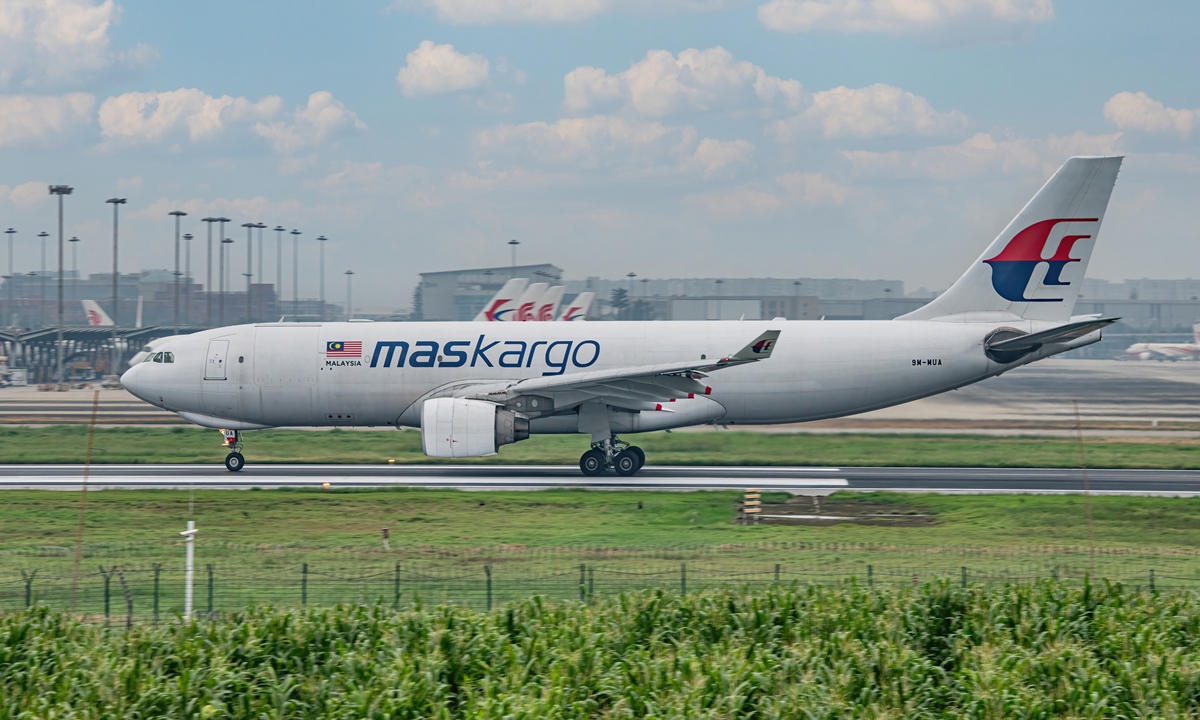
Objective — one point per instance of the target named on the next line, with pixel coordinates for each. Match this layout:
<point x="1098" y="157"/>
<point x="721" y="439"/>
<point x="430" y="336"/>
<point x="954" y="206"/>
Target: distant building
<point x="460" y="294"/>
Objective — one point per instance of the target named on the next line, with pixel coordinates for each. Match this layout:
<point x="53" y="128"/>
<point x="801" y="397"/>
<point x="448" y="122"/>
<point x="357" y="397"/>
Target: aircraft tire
<point x="592" y="463"/>
<point x="626" y="463"/>
<point x="234" y="462"/>
<point x="641" y="455"/>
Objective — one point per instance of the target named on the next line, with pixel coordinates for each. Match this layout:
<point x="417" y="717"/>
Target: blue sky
<point x="851" y="138"/>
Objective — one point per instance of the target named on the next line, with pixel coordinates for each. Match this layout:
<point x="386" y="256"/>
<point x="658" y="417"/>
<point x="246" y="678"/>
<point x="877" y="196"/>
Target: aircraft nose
<point x="129" y="380"/>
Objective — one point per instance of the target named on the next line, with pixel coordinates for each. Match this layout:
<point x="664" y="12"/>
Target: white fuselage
<point x="280" y="375"/>
<point x="1164" y="351"/>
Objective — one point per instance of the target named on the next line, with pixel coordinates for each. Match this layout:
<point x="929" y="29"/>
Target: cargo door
<point x="214" y="364"/>
<point x="286" y="361"/>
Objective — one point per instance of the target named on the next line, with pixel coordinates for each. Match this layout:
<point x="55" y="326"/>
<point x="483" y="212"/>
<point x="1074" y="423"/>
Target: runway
<point x="802" y="480"/>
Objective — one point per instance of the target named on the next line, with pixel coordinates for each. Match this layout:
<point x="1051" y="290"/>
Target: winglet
<point x="759" y="349"/>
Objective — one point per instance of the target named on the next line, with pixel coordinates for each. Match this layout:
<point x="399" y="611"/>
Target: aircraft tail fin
<point x="1034" y="268"/>
<point x="577" y="309"/>
<point x="502" y="302"/>
<point x="525" y="305"/>
<point x="96" y="316"/>
<point x="547" y="305"/>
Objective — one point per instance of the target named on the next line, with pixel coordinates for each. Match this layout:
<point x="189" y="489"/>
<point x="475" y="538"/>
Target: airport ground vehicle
<point x="472" y="387"/>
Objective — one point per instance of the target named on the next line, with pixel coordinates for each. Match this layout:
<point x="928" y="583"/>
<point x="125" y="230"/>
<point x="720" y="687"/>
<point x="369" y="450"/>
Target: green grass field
<point x="68" y="444"/>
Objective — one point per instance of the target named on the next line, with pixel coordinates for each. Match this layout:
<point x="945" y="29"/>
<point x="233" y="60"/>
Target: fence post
<point x="488" y="569"/>
<point x="128" y="599"/>
<point x="157" y="571"/>
<point x="1151" y="579"/>
<point x="582" y="581"/>
<point x="964" y="577"/>
<point x="304" y="585"/>
<point x="683" y="578"/>
<point x="591" y="581"/>
<point x="396" y="588"/>
<point x="776" y="573"/>
<point x="107" y="580"/>
<point x="210" y="589"/>
<point x="28" y="587"/>
<point x="870" y="576"/>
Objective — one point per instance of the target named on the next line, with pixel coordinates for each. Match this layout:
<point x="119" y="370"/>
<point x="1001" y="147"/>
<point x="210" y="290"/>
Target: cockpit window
<point x="158" y="358"/>
<point x="168" y="357"/>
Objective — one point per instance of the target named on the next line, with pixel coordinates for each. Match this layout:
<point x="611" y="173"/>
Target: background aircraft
<point x="96" y="316"/>
<point x="1167" y="351"/>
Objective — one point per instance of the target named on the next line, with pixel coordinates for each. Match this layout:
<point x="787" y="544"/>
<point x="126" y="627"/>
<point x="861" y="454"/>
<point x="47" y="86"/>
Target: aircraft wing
<point x="640" y="387"/>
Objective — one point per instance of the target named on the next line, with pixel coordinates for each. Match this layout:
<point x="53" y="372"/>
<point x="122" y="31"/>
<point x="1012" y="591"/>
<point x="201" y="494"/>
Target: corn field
<point x="1037" y="650"/>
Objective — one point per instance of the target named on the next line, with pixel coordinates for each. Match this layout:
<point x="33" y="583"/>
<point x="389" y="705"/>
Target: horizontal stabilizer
<point x="1054" y="336"/>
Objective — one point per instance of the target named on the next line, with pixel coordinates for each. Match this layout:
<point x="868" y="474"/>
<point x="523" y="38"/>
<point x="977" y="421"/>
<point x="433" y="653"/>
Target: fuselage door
<point x="214" y="364"/>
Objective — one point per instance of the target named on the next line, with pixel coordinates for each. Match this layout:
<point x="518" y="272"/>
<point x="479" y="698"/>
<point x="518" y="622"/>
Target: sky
<point x="671" y="138"/>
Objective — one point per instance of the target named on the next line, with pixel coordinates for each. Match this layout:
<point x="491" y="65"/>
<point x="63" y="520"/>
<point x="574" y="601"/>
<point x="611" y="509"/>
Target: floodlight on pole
<point x="349" y="296"/>
<point x="61" y="191"/>
<point x="116" y="303"/>
<point x="74" y="266"/>
<point x="12" y="315"/>
<point x="279" y="231"/>
<point x="208" y="276"/>
<point x="513" y="244"/>
<point x="322" y="239"/>
<point x="187" y="279"/>
<point x="295" y="275"/>
<point x="221" y="272"/>
<point x="249" y="263"/>
<point x="221" y="266"/>
<point x="177" y="214"/>
<point x="42" y="281"/>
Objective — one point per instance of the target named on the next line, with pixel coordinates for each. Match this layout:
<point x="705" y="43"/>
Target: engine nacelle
<point x="457" y="428"/>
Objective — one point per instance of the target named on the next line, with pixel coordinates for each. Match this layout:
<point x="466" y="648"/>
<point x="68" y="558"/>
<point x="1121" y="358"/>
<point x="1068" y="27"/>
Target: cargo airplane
<point x="472" y="388"/>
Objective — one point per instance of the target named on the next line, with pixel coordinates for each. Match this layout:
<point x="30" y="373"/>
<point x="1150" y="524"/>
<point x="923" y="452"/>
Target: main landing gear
<point x="613" y="453"/>
<point x="234" y="461"/>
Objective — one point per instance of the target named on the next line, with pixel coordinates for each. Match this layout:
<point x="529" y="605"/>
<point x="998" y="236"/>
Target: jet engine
<point x="456" y="428"/>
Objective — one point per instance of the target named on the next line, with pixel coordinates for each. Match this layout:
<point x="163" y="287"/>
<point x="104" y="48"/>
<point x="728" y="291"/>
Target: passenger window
<point x="168" y="357"/>
<point x="158" y="358"/>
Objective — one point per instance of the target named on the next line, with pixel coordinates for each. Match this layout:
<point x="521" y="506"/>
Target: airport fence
<point x="125" y="594"/>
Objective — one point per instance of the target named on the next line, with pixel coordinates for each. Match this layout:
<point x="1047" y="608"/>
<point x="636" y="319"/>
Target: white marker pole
<point x="190" y="535"/>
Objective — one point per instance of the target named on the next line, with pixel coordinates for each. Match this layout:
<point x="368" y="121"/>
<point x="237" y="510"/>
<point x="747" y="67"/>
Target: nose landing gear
<point x="623" y="458"/>
<point x="234" y="461"/>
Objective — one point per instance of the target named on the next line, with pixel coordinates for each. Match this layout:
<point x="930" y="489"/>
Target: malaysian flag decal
<point x="343" y="349"/>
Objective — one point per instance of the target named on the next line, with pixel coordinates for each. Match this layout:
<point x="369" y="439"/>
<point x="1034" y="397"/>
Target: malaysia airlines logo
<point x="343" y="349"/>
<point x="762" y="346"/>
<point x="1013" y="267"/>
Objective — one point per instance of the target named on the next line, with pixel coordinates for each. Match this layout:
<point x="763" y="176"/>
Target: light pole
<point x="249" y="263"/>
<point x="349" y="296"/>
<point x="295" y="275"/>
<point x="177" y="214"/>
<point x="513" y="244"/>
<point x="74" y="267"/>
<point x="116" y="354"/>
<point x="187" y="279"/>
<point x="42" y="281"/>
<point x="221" y="268"/>
<point x="208" y="276"/>
<point x="279" y="230"/>
<point x="322" y="239"/>
<point x="221" y="272"/>
<point x="61" y="191"/>
<point x="9" y="277"/>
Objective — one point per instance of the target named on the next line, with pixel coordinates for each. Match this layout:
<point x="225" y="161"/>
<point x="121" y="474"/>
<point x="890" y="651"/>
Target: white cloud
<point x="662" y="83"/>
<point x="902" y="16"/>
<point x="37" y="118"/>
<point x="813" y="189"/>
<point x="322" y="118"/>
<point x="483" y="12"/>
<point x="874" y="111"/>
<point x="601" y="139"/>
<point x="713" y="156"/>
<point x="25" y="195"/>
<point x="441" y="69"/>
<point x="61" y="41"/>
<point x="737" y="203"/>
<point x="150" y="117"/>
<point x="1137" y="111"/>
<point x="981" y="154"/>
<point x="133" y="183"/>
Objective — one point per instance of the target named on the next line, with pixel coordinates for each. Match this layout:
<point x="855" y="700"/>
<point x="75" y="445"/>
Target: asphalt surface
<point x="805" y="480"/>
